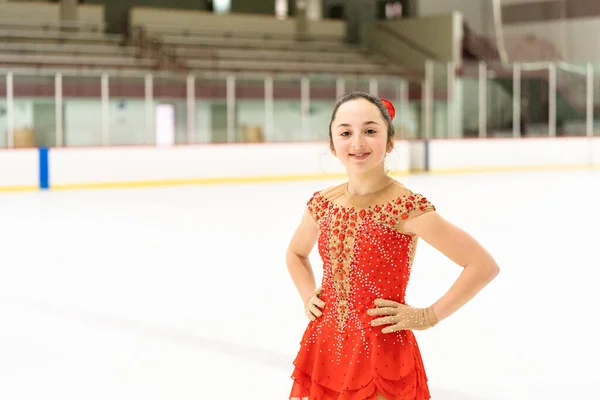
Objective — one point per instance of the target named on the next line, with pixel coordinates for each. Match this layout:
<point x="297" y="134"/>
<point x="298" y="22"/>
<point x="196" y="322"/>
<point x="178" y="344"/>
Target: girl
<point x="359" y="343"/>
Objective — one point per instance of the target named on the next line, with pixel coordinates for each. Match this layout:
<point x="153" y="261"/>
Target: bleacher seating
<point x="58" y="44"/>
<point x="237" y="42"/>
<point x="254" y="44"/>
<point x="238" y="50"/>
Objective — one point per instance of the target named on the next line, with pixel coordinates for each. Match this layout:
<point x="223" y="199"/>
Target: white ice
<point x="182" y="293"/>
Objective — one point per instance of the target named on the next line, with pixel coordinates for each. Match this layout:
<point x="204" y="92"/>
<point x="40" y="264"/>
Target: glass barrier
<point x="360" y="84"/>
<point x="470" y="89"/>
<point x="81" y="111"/>
<point x="289" y="121"/>
<point x="571" y="82"/>
<point x="324" y="91"/>
<point x="169" y="109"/>
<point x="406" y="100"/>
<point x="593" y="103"/>
<point x="210" y="105"/>
<point x="535" y="100"/>
<point x="472" y="100"/>
<point x="250" y="110"/>
<point x="494" y="84"/>
<point x="4" y="128"/>
<point x="442" y="115"/>
<point x="129" y="120"/>
<point x="514" y="100"/>
<point x="34" y="113"/>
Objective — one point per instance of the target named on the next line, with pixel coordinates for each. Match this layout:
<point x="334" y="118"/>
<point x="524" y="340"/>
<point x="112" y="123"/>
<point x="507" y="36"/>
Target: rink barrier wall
<point x="113" y="167"/>
<point x="71" y="168"/>
<point x="518" y="154"/>
<point x="19" y="170"/>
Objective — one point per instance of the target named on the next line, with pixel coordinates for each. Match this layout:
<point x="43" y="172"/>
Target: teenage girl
<point x="359" y="343"/>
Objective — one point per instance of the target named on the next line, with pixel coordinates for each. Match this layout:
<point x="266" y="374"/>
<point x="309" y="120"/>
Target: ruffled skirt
<point x="358" y="365"/>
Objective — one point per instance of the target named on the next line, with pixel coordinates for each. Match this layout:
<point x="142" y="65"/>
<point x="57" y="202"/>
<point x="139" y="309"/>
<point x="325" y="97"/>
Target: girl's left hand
<point x="402" y="317"/>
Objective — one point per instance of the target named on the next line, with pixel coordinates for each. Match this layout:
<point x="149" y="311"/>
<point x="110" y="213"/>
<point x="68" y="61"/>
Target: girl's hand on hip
<point x="401" y="316"/>
<point x="313" y="305"/>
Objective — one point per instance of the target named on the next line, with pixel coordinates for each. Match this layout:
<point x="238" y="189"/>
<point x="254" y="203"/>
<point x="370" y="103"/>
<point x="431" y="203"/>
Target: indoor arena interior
<point x="157" y="158"/>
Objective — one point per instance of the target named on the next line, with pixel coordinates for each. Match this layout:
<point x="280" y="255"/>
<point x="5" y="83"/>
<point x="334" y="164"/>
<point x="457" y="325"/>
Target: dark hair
<point x="370" y="98"/>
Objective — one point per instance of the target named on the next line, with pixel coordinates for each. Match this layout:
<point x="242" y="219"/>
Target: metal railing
<point x="111" y="107"/>
<point x="118" y="107"/>
<point x="543" y="98"/>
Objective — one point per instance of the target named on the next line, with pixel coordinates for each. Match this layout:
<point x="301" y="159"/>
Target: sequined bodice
<point x="367" y="254"/>
<point x="365" y="251"/>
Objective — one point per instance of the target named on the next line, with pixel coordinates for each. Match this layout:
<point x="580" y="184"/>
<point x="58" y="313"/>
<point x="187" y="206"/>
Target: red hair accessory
<point x="390" y="107"/>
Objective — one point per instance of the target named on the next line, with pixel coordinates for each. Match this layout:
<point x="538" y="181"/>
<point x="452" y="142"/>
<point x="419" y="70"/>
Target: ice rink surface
<point x="182" y="292"/>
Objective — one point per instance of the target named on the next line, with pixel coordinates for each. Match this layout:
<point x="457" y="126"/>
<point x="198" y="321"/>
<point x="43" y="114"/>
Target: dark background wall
<point x="359" y="12"/>
<point x="266" y="7"/>
<point x="355" y="12"/>
<point x="336" y="8"/>
<point x="116" y="11"/>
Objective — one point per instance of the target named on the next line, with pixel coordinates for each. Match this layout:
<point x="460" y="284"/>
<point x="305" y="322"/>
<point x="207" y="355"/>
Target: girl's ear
<point x="332" y="149"/>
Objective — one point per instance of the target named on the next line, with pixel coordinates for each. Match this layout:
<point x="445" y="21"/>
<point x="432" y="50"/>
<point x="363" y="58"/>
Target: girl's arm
<point x="299" y="249"/>
<point x="479" y="266"/>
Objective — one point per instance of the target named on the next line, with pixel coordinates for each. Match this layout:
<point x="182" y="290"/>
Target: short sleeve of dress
<point x="410" y="206"/>
<point x="317" y="206"/>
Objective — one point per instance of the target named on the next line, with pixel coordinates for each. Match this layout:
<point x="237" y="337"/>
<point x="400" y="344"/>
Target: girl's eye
<point x="345" y="133"/>
<point x="371" y="131"/>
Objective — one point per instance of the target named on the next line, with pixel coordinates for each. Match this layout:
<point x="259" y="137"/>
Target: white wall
<point x="101" y="166"/>
<point x="19" y="169"/>
<point x="438" y="33"/>
<point x="477" y="13"/>
<point x="574" y="39"/>
<point x="135" y="166"/>
<point x="595" y="151"/>
<point x="571" y="37"/>
<point x="503" y="154"/>
<point x="3" y="126"/>
<point x="417" y="155"/>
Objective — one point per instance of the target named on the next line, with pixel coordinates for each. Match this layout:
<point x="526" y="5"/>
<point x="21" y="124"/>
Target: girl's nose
<point x="357" y="142"/>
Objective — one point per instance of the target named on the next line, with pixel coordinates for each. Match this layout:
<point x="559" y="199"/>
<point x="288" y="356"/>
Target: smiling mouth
<point x="360" y="156"/>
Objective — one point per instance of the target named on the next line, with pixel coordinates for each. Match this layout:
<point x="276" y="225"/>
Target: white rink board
<point x="103" y="167"/>
<point x="19" y="168"/>
<point x="473" y="154"/>
<point x="153" y="164"/>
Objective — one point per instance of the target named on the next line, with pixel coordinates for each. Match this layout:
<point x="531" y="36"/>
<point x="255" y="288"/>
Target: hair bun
<point x="390" y="107"/>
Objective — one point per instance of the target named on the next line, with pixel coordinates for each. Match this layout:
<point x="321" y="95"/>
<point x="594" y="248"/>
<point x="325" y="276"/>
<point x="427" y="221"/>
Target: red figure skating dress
<point x="366" y="256"/>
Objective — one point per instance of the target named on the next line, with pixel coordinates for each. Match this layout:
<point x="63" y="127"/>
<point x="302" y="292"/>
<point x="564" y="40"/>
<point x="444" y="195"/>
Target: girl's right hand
<point x="313" y="306"/>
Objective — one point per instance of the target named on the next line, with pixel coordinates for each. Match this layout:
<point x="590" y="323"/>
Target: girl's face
<point x="359" y="136"/>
